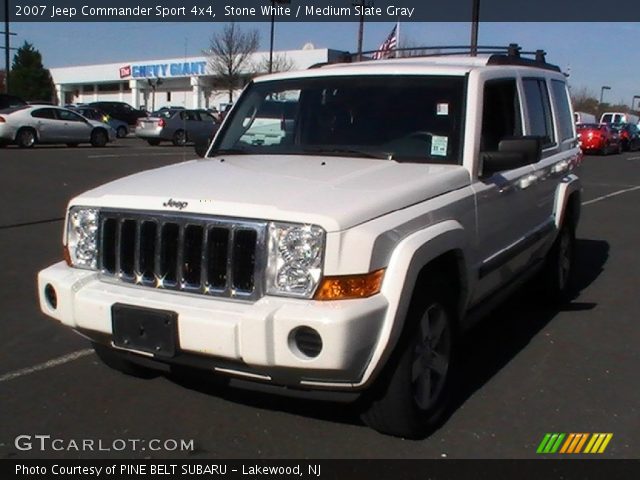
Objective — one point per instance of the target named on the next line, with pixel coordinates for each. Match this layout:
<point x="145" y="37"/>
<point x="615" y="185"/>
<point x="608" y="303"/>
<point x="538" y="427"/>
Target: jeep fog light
<point x="82" y="237"/>
<point x="295" y="259"/>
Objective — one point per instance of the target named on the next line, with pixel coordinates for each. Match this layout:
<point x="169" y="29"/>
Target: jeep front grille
<point x="197" y="254"/>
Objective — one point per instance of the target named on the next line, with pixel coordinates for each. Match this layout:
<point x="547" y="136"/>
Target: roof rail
<point x="511" y="54"/>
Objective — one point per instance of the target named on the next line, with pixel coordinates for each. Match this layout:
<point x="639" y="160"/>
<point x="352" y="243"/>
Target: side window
<point x="68" y="116"/>
<point x="44" y="113"/>
<point x="563" y="110"/>
<point x="539" y="108"/>
<point x="501" y="117"/>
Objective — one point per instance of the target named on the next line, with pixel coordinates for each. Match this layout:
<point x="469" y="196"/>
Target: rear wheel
<point x="115" y="360"/>
<point x="411" y="396"/>
<point x="121" y="132"/>
<point x="99" y="138"/>
<point x="557" y="275"/>
<point x="26" y="138"/>
<point x="179" y="138"/>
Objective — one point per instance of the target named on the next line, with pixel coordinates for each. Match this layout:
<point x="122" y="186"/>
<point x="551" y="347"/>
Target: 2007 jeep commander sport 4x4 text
<point x="348" y="222"/>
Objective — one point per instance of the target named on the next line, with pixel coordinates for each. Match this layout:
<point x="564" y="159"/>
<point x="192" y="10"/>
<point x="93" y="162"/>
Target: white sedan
<point x="28" y="125"/>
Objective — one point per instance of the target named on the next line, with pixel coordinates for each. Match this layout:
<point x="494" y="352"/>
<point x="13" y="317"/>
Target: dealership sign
<point x="161" y="70"/>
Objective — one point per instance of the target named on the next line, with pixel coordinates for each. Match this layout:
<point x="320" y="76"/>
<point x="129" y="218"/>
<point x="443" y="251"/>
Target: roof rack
<point x="511" y="54"/>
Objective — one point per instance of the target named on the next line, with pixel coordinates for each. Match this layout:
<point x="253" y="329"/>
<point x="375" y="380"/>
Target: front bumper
<point x="250" y="340"/>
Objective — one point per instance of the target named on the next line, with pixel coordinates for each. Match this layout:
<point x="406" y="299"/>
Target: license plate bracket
<point x="145" y="329"/>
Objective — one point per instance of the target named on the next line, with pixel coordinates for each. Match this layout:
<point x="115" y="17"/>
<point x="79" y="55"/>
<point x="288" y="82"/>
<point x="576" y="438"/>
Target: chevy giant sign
<point x="165" y="70"/>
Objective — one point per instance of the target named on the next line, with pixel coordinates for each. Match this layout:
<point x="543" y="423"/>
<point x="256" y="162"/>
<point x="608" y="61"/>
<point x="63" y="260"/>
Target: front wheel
<point x="99" y="138"/>
<point x="412" y="393"/>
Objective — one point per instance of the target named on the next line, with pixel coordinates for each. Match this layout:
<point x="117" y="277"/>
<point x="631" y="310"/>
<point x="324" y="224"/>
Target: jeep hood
<point x="333" y="192"/>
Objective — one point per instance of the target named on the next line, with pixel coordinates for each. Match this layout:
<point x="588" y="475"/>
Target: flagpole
<point x="397" y="38"/>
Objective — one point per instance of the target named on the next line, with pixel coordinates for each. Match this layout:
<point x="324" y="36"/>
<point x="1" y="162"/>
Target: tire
<point x="115" y="360"/>
<point x="179" y="138"/>
<point x="99" y="138"/>
<point x="557" y="273"/>
<point x="153" y="143"/>
<point x="411" y="396"/>
<point x="122" y="131"/>
<point x="26" y="138"/>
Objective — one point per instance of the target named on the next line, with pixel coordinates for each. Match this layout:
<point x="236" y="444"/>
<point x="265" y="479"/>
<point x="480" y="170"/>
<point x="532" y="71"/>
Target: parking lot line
<point x="609" y="195"/>
<point x="70" y="357"/>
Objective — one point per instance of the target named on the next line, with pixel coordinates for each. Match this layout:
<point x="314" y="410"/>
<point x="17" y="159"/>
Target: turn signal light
<point x="350" y="286"/>
<point x="67" y="256"/>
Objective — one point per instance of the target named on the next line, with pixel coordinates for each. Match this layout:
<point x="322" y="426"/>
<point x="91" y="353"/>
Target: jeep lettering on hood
<point x="171" y="203"/>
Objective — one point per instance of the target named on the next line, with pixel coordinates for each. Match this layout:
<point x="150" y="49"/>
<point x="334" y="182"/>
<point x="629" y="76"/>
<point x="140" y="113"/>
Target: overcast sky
<point x="596" y="53"/>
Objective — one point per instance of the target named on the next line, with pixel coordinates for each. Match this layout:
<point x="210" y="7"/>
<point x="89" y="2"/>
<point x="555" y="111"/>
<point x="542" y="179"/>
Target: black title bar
<point x="319" y="11"/>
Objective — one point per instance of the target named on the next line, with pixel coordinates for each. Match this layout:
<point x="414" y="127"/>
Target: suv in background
<point x="121" y="111"/>
<point x="394" y="204"/>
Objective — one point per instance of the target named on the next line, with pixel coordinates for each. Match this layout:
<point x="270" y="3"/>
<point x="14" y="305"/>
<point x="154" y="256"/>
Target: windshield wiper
<point x="352" y="152"/>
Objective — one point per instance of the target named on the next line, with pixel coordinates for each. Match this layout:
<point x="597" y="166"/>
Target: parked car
<point x="121" y="128"/>
<point x="629" y="135"/>
<point x="28" y="125"/>
<point x="348" y="258"/>
<point x="619" y="117"/>
<point x="582" y="117"/>
<point x="177" y="126"/>
<point x="121" y="111"/>
<point x="598" y="138"/>
<point x="10" y="101"/>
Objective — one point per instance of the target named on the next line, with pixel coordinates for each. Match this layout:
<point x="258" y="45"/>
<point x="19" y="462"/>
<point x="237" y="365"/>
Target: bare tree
<point x="229" y="56"/>
<point x="584" y="101"/>
<point x="281" y="63"/>
<point x="408" y="47"/>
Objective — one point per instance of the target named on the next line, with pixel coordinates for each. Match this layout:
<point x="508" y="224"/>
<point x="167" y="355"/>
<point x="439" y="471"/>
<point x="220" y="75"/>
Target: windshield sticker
<point x="442" y="109"/>
<point x="439" y="146"/>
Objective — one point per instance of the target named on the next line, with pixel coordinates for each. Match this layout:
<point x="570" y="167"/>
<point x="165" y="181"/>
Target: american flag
<point x="388" y="45"/>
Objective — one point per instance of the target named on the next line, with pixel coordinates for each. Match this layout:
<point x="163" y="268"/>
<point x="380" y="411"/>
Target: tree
<point x="229" y="56"/>
<point x="584" y="101"/>
<point x="280" y="63"/>
<point x="29" y="79"/>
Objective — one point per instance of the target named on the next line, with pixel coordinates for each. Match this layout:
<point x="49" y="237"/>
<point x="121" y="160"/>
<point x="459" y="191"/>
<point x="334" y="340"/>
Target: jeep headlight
<point x="82" y="237"/>
<point x="295" y="259"/>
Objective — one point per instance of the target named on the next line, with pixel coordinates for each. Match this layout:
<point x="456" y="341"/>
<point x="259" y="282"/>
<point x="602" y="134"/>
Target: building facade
<point x="152" y="84"/>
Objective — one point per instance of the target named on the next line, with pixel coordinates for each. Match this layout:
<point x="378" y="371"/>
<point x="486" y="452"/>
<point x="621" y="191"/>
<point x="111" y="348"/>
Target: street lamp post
<point x="7" y="46"/>
<point x="602" y="89"/>
<point x="273" y="23"/>
<point x="475" y="23"/>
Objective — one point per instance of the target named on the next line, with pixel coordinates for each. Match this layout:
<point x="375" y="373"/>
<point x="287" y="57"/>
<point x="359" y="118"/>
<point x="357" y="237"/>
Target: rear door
<point x="46" y="124"/>
<point x="550" y="110"/>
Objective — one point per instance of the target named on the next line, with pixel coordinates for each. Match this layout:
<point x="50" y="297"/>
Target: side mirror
<point x="512" y="153"/>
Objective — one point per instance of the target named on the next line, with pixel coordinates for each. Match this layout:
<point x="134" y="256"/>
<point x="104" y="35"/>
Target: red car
<point x="598" y="138"/>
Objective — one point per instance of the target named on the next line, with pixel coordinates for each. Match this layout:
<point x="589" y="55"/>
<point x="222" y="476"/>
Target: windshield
<point x="404" y="118"/>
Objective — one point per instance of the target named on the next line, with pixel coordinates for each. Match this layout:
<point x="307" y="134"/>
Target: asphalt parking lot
<point x="529" y="369"/>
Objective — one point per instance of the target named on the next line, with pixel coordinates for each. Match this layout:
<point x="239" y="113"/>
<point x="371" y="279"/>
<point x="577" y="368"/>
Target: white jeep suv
<point x="341" y="247"/>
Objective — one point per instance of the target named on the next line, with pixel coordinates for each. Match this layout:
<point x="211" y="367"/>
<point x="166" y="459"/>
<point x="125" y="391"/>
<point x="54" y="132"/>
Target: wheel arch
<point x="438" y="248"/>
<point x="568" y="201"/>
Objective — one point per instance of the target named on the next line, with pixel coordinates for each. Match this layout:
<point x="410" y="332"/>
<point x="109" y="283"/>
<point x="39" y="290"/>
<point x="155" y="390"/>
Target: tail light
<point x="2" y="119"/>
<point x="162" y="123"/>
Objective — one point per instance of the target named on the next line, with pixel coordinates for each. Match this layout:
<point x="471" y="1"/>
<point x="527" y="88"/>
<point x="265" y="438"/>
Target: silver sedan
<point x="28" y="125"/>
<point x="176" y="125"/>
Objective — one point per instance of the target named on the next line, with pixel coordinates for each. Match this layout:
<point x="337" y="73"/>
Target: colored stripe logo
<point x="574" y="443"/>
